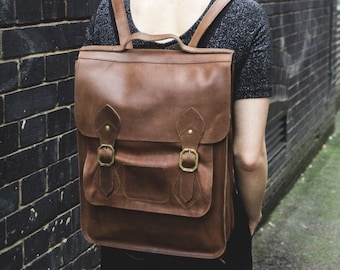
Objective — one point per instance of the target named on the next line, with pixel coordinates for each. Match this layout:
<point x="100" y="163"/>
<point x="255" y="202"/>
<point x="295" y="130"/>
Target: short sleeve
<point x="254" y="71"/>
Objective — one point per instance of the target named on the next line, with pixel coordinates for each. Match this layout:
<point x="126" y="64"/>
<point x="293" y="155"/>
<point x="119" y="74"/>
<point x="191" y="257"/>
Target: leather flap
<point x="150" y="90"/>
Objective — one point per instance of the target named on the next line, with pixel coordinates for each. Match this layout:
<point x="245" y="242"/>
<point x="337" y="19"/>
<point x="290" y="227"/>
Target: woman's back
<point x="159" y="17"/>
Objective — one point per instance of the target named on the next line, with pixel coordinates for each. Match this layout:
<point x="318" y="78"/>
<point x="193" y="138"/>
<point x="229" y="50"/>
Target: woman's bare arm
<point x="250" y="155"/>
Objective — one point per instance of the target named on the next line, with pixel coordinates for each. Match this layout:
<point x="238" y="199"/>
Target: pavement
<point x="303" y="231"/>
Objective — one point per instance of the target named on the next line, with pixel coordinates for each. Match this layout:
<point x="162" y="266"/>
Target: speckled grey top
<point x="242" y="26"/>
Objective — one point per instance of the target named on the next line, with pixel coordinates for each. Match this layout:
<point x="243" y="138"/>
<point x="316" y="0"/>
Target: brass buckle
<point x="106" y="164"/>
<point x="190" y="151"/>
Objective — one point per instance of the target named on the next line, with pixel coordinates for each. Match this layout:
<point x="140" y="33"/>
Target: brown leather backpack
<point x="154" y="143"/>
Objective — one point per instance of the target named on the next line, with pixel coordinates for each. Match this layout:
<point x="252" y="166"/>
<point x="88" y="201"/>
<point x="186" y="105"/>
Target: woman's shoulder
<point x="100" y="29"/>
<point x="248" y="8"/>
<point x="251" y="5"/>
<point x="245" y="16"/>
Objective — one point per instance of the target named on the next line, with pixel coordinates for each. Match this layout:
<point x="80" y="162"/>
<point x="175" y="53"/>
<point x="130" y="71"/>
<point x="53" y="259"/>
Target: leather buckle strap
<point x="107" y="126"/>
<point x="190" y="129"/>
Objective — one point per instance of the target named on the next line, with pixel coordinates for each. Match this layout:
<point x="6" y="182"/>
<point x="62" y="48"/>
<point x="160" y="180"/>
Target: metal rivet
<point x="190" y="131"/>
<point x="107" y="127"/>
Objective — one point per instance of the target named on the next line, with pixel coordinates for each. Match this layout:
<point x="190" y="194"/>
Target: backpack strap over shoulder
<point x="124" y="29"/>
<point x="207" y="20"/>
<point x="122" y="23"/>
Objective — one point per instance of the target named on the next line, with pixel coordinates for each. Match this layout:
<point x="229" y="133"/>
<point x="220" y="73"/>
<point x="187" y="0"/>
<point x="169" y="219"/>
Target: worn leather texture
<point x="154" y="137"/>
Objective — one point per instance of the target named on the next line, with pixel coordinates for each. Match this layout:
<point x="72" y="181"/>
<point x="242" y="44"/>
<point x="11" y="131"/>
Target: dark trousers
<point x="238" y="255"/>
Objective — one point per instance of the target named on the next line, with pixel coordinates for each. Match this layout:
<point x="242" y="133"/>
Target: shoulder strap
<point x="122" y="23"/>
<point x="208" y="18"/>
<point x="124" y="29"/>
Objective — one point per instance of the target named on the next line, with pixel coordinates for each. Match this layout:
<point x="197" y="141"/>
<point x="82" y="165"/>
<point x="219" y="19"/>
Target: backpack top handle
<point x="124" y="29"/>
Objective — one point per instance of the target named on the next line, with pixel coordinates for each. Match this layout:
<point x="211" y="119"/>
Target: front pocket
<point x="152" y="182"/>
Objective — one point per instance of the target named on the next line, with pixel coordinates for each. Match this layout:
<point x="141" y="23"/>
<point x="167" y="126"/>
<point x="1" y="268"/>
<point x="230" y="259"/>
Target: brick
<point x="69" y="196"/>
<point x="57" y="67"/>
<point x="74" y="167"/>
<point x="1" y="110"/>
<point x="31" y="39"/>
<point x="77" y="9"/>
<point x="75" y="245"/>
<point x="8" y="139"/>
<point x="58" y="122"/>
<point x="75" y="218"/>
<point x="68" y="144"/>
<point x="9" y="199"/>
<point x="32" y="217"/>
<point x="73" y="57"/>
<point x="7" y="16"/>
<point x="32" y="130"/>
<point x="28" y="12"/>
<point x="73" y="123"/>
<point x="2" y="171"/>
<point x="2" y="234"/>
<point x="49" y="260"/>
<point x="59" y="229"/>
<point x="29" y="161"/>
<point x="71" y="35"/>
<point x="53" y="10"/>
<point x="93" y="5"/>
<point x="90" y="258"/>
<point x="33" y="187"/>
<point x="31" y="101"/>
<point x="8" y="76"/>
<point x="66" y="92"/>
<point x="58" y="175"/>
<point x="35" y="245"/>
<point x="12" y="259"/>
<point x="31" y="71"/>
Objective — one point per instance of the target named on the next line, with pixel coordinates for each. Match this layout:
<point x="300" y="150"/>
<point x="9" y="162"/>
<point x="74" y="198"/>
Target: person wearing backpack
<point x="242" y="26"/>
